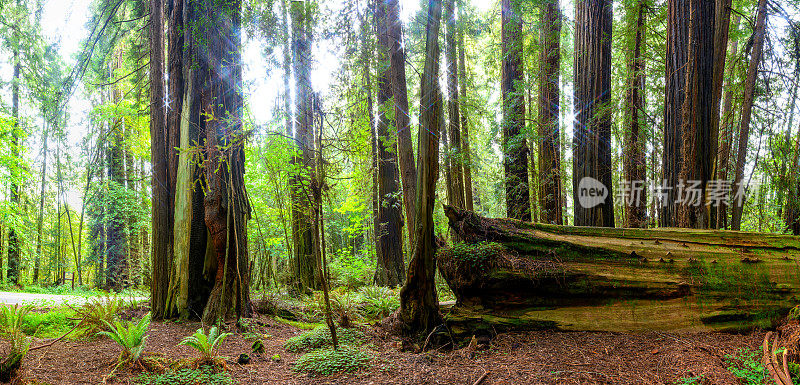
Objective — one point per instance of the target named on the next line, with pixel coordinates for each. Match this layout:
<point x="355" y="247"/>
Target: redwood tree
<point x="515" y="148"/>
<point x="634" y="166"/>
<point x="592" y="137"/>
<point x="390" y="269"/>
<point x="674" y="85"/>
<point x="698" y="136"/>
<point x="549" y="105"/>
<point x="419" y="304"/>
<point x="747" y="106"/>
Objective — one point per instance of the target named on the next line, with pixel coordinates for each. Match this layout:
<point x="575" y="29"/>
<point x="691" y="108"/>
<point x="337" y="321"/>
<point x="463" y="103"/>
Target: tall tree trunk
<point x="453" y="112"/>
<point x="726" y="132"/>
<point x="549" y="106"/>
<point x="40" y="219"/>
<point x="117" y="237"/>
<point x="14" y="261"/>
<point x="675" y="83"/>
<point x="462" y="88"/>
<point x="308" y="277"/>
<point x="390" y="269"/>
<point x="747" y="106"/>
<point x="592" y="140"/>
<point x="634" y="148"/>
<point x="697" y="167"/>
<point x="405" y="146"/>
<point x="161" y="189"/>
<point x="722" y="19"/>
<point x="419" y="304"/>
<point x="515" y="148"/>
<point x="227" y="208"/>
<point x="366" y="57"/>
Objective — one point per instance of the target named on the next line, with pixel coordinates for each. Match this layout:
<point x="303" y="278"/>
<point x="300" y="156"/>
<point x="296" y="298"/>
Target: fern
<point x="12" y="318"/>
<point x="129" y="335"/>
<point x="206" y="345"/>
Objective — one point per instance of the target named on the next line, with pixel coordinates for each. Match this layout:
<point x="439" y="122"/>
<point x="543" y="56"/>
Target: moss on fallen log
<point x="510" y="274"/>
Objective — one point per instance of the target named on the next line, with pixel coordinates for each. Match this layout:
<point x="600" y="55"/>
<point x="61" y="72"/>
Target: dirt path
<point x="518" y="358"/>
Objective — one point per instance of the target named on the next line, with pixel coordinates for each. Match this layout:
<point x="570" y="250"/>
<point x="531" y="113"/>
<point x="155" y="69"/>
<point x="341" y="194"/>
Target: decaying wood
<point x="511" y="274"/>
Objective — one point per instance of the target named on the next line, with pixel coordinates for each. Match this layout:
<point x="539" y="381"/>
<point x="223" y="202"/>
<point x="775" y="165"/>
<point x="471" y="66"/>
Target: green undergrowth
<point x="186" y="376"/>
<point x="328" y="361"/>
<point x="747" y="367"/>
<point x="320" y="337"/>
<point x="298" y="324"/>
<point x="52" y="323"/>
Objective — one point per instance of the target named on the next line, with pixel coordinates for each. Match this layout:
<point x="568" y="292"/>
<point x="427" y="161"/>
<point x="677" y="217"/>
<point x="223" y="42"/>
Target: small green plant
<point x="746" y="366"/>
<point x="98" y="313"/>
<point x="18" y="347"/>
<point x="206" y="344"/>
<point x="794" y="370"/>
<point x="12" y="318"/>
<point x="204" y="375"/>
<point x="328" y="361"/>
<point x="378" y="302"/>
<point x="321" y="337"/>
<point x="696" y="380"/>
<point x="130" y="336"/>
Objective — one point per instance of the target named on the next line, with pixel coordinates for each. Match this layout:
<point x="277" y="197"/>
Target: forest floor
<point x="544" y="357"/>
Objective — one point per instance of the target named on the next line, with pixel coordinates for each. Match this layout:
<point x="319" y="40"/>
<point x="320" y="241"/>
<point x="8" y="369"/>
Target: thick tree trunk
<point x="515" y="148"/>
<point x="307" y="276"/>
<point x="634" y="166"/>
<point x="512" y="274"/>
<point x="161" y="189"/>
<point x="698" y="137"/>
<point x="462" y="88"/>
<point x="592" y="140"/>
<point x="722" y="22"/>
<point x="227" y="208"/>
<point x="405" y="146"/>
<point x="675" y="83"/>
<point x="549" y="105"/>
<point x="419" y="305"/>
<point x="747" y="106"/>
<point x="390" y="269"/>
<point x="726" y="132"/>
<point x="454" y="119"/>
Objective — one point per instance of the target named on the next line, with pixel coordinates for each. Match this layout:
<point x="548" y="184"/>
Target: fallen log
<point x="509" y="274"/>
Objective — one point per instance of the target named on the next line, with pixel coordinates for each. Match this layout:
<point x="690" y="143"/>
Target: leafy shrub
<point x="378" y="302"/>
<point x="12" y="318"/>
<point x="11" y="322"/>
<point x="186" y="376"/>
<point x="350" y="270"/>
<point x="130" y="336"/>
<point x="206" y="344"/>
<point x="344" y="306"/>
<point x="98" y="313"/>
<point x="328" y="361"/>
<point x="746" y="366"/>
<point x="321" y="337"/>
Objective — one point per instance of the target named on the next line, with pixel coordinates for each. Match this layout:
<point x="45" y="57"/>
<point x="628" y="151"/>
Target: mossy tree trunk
<point x="514" y="274"/>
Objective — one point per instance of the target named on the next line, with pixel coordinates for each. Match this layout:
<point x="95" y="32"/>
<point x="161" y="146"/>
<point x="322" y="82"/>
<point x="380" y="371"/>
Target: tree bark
<point x="517" y="275"/>
<point x="747" y="106"/>
<point x="40" y="219"/>
<point x="161" y="189"/>
<point x="675" y="83"/>
<point x="462" y="88"/>
<point x="14" y="260"/>
<point x="227" y="208"/>
<point x="419" y="304"/>
<point x="405" y="146"/>
<point x="307" y="276"/>
<point x="726" y="132"/>
<point x="592" y="140"/>
<point x="549" y="106"/>
<point x="390" y="269"/>
<point x="698" y="140"/>
<point x="515" y="148"/>
<point x="634" y="166"/>
<point x="454" y="119"/>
